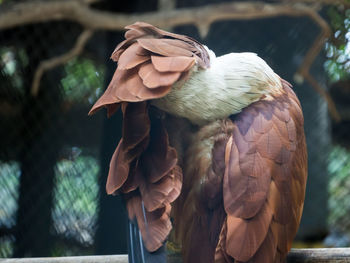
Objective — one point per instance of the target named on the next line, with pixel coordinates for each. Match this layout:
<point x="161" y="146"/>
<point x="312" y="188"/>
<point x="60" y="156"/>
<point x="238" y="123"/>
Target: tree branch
<point x="51" y="63"/>
<point x="74" y="10"/>
<point x="345" y="3"/>
<point x="317" y="87"/>
<point x="304" y="70"/>
<point x="80" y="12"/>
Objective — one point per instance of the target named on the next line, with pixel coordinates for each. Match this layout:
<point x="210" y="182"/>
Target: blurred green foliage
<point x="83" y="81"/>
<point x="338" y="47"/>
<point x="76" y="198"/>
<point x="80" y="174"/>
<point x="9" y="178"/>
<point x="6" y="246"/>
<point x="339" y="189"/>
<point x="12" y="61"/>
<point x="75" y="201"/>
<point x="338" y="68"/>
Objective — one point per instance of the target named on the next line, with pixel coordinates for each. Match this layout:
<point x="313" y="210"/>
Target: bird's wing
<point x="264" y="181"/>
<point x="242" y="201"/>
<point x="144" y="166"/>
<point x="150" y="61"/>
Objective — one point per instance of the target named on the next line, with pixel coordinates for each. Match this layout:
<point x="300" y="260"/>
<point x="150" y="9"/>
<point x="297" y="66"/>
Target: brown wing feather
<point x="172" y="64"/>
<point x="166" y="47"/>
<point x="140" y="78"/>
<point x="252" y="185"/>
<point x="130" y="146"/>
<point x="144" y="166"/>
<point x="153" y="78"/>
<point x="154" y="226"/>
<point x="132" y="57"/>
<point x="244" y="237"/>
<point x="264" y="180"/>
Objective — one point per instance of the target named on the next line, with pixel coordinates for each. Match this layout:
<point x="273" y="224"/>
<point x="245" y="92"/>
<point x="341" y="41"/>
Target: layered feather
<point x="265" y="179"/>
<point x="150" y="61"/>
<point x="244" y="185"/>
<point x="144" y="166"/>
<point x="261" y="188"/>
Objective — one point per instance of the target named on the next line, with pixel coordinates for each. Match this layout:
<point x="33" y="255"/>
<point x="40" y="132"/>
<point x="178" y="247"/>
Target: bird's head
<point x="184" y="78"/>
<point x="231" y="83"/>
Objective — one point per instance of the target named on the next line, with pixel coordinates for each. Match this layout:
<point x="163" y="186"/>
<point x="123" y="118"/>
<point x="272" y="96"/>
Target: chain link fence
<point x="44" y="141"/>
<point x="50" y="151"/>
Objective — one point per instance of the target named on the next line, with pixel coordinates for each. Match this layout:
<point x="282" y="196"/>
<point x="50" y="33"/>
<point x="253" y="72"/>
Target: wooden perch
<point x="80" y="11"/>
<point x="82" y="259"/>
<point x="318" y="255"/>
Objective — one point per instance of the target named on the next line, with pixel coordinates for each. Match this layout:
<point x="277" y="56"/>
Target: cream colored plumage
<point x="232" y="82"/>
<point x="234" y="179"/>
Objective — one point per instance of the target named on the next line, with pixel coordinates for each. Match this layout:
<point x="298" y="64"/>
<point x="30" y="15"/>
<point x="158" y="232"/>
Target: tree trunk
<point x="112" y="218"/>
<point x="37" y="160"/>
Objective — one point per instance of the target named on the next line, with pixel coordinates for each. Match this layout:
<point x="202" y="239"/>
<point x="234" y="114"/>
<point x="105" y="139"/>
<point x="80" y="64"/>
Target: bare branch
<point x="166" y="5"/>
<point x="317" y="87"/>
<point x="317" y="46"/>
<point x="345" y="3"/>
<point x="89" y="2"/>
<point x="80" y="12"/>
<point x="56" y="61"/>
<point x="75" y="10"/>
<point x="309" y="58"/>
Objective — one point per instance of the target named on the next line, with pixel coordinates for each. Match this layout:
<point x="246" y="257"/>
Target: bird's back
<point x="240" y="167"/>
<point x="244" y="184"/>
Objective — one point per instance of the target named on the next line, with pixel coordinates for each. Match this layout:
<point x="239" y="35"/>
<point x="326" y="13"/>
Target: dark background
<point x="54" y="158"/>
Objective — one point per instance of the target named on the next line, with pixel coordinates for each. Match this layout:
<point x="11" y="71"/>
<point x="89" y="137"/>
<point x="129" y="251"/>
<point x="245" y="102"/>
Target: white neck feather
<point x="232" y="82"/>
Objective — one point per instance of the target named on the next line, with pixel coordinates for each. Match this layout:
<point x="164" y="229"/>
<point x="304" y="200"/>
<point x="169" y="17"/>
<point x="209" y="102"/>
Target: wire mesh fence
<point x="50" y="169"/>
<point x="49" y="165"/>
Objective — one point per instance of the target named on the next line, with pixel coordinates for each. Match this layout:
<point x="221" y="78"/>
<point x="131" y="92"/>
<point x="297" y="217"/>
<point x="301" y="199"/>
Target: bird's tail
<point x="137" y="251"/>
<point x="135" y="246"/>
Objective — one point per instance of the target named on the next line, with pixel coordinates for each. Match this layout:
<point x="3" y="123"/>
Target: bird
<point x="212" y="148"/>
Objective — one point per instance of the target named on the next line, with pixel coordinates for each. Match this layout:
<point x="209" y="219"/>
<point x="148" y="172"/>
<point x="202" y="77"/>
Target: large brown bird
<point x="216" y="143"/>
